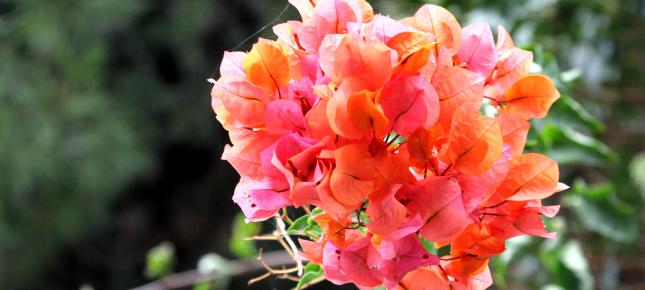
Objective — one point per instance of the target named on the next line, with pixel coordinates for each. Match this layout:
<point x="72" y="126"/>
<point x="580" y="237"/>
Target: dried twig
<point x="283" y="230"/>
<point x="262" y="238"/>
<point x="290" y="256"/>
<point x="236" y="268"/>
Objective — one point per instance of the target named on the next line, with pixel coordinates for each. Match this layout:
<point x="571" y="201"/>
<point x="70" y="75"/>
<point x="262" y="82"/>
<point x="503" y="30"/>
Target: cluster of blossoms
<point x="399" y="131"/>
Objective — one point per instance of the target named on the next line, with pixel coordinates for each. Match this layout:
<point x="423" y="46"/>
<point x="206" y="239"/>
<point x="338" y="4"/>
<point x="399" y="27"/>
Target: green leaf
<point x="312" y="271"/>
<point x="589" y="143"/>
<point x="567" y="145"/>
<point x="242" y="230"/>
<point x="573" y="259"/>
<point x="599" y="210"/>
<point x="314" y="229"/>
<point x="159" y="260"/>
<point x="552" y="287"/>
<point x="317" y="211"/>
<point x="571" y="106"/>
<point x="637" y="172"/>
<point x="428" y="245"/>
<point x="571" y="75"/>
<point x="210" y="263"/>
<point x="550" y="255"/>
<point x="206" y="285"/>
<point x="570" y="155"/>
<point x="500" y="263"/>
<point x="299" y="225"/>
<point x="213" y="262"/>
<point x="443" y="251"/>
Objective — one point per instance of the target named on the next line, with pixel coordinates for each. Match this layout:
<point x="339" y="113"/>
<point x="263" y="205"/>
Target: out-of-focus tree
<point x="90" y="92"/>
<point x="67" y="144"/>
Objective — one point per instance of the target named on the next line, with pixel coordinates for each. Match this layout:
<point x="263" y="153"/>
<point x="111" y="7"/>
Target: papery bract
<point x="440" y="22"/>
<point x="456" y="86"/>
<point x="531" y="96"/>
<point x="396" y="131"/>
<point x="409" y="102"/>
<point x="478" y="49"/>
<point x="439" y="202"/>
<point x="475" y="141"/>
<point x="349" y="56"/>
<point x="267" y="66"/>
<point x="351" y="181"/>
<point x="531" y="176"/>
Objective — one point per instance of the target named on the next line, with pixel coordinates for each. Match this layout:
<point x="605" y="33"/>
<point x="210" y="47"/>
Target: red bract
<point x="378" y="123"/>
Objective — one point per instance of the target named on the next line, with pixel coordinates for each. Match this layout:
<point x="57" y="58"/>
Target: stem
<point x="393" y="139"/>
<point x="283" y="230"/>
<point x="446" y="170"/>
<point x="312" y="282"/>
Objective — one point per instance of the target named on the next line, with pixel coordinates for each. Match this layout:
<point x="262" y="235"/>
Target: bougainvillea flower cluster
<point x="402" y="132"/>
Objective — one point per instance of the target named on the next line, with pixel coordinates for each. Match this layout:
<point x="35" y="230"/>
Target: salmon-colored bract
<point x="378" y="123"/>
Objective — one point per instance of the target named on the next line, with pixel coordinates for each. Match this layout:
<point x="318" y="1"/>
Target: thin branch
<point x="261" y="238"/>
<point x="272" y="270"/>
<point x="287" y="248"/>
<point x="285" y="216"/>
<point x="260" y="278"/>
<point x="311" y="283"/>
<point x="289" y="277"/>
<point x="283" y="230"/>
<point x="235" y="268"/>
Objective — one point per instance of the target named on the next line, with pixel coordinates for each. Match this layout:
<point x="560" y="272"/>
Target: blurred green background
<point x="108" y="146"/>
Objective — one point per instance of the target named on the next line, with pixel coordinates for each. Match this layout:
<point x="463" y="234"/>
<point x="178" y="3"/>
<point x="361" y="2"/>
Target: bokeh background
<point x="109" y="148"/>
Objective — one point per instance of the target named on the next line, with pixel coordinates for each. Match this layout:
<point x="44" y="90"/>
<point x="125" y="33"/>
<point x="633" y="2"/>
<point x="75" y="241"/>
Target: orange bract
<point x="413" y="49"/>
<point x="351" y="181"/>
<point x="399" y="131"/>
<point x="348" y="56"/>
<point x="421" y="145"/>
<point x="440" y="22"/>
<point x="364" y="113"/>
<point x="532" y="176"/>
<point x="531" y="97"/>
<point x="424" y="279"/>
<point x="267" y="66"/>
<point x="514" y="131"/>
<point x="475" y="141"/>
<point x="456" y="86"/>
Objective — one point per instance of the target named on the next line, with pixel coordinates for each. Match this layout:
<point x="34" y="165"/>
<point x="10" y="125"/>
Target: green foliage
<point x="299" y="225"/>
<point x="209" y="263"/>
<point x="306" y="225"/>
<point x="67" y="145"/>
<point x="160" y="260"/>
<point x="240" y="232"/>
<point x="431" y="248"/>
<point x="567" y="265"/>
<point x="312" y="272"/>
<point x="637" y="172"/>
<point x="428" y="245"/>
<point x="599" y="210"/>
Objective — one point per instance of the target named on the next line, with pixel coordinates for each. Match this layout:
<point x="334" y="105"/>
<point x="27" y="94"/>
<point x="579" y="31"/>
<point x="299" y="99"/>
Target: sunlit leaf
<point x="240" y="231"/>
<point x="600" y="211"/>
<point x="160" y="260"/>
